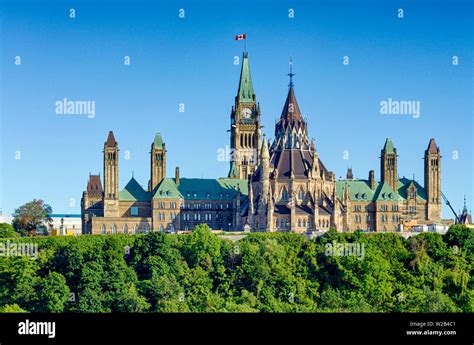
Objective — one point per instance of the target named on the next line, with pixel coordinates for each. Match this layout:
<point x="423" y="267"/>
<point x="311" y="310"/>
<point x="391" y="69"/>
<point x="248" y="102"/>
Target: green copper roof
<point x="233" y="173"/>
<point x="201" y="189"/>
<point x="245" y="91"/>
<point x="388" y="147"/>
<point x="213" y="189"/>
<point x="158" y="142"/>
<point x="360" y="190"/>
<point x="404" y="183"/>
<point x="133" y="192"/>
<point x="167" y="189"/>
<point x="384" y="191"/>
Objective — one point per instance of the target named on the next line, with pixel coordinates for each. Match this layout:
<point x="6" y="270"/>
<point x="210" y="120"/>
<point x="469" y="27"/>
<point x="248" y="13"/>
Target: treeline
<point x="264" y="272"/>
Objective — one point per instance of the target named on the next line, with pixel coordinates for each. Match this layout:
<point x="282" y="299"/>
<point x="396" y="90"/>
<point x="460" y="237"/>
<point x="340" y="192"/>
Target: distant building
<point x="465" y="217"/>
<point x="271" y="186"/>
<point x="65" y="224"/>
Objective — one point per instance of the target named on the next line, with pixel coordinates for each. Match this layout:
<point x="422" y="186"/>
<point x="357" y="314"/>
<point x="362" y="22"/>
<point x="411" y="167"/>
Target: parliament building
<point x="281" y="185"/>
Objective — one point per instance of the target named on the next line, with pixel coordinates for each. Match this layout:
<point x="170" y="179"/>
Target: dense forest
<point x="263" y="272"/>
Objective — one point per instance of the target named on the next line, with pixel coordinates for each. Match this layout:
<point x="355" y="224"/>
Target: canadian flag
<point x="240" y="37"/>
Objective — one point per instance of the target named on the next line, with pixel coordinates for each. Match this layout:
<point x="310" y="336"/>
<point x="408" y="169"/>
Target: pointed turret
<point x="157" y="161"/>
<point x="111" y="167"/>
<point x="245" y="122"/>
<point x="291" y="110"/>
<point x="432" y="181"/>
<point x="111" y="142"/>
<point x="291" y="130"/>
<point x="388" y="164"/>
<point x="245" y="91"/>
<point x="388" y="146"/>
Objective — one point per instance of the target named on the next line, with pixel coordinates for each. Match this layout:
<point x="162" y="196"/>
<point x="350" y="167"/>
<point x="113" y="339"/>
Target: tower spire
<point x="291" y="74"/>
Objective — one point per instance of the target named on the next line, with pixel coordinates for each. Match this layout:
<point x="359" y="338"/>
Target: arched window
<point x="284" y="194"/>
<point x="299" y="222"/>
<point x="114" y="229"/>
<point x="103" y="229"/>
<point x="147" y="228"/>
<point x="241" y="140"/>
<point x="125" y="229"/>
<point x="301" y="194"/>
<point x="304" y="223"/>
<point x="135" y="228"/>
<point x="161" y="227"/>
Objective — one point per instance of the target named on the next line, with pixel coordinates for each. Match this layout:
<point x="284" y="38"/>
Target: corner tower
<point x="388" y="165"/>
<point x="111" y="193"/>
<point x="158" y="162"/>
<point x="245" y="137"/>
<point x="433" y="181"/>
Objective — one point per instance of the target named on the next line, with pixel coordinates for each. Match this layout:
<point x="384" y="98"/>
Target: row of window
<point x="205" y="206"/>
<point x="161" y="216"/>
<point x="208" y="195"/>
<point x="113" y="228"/>
<point x="369" y="208"/>
<point x="383" y="218"/>
<point x="285" y="223"/>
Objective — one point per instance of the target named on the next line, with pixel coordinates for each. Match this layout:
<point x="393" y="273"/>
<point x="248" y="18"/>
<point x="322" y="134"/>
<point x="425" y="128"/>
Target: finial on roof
<point x="291" y="74"/>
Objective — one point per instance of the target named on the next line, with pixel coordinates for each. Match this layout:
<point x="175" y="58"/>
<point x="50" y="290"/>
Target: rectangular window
<point x="134" y="211"/>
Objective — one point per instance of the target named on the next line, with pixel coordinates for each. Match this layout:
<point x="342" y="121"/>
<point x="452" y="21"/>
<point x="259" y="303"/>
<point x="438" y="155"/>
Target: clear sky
<point x="190" y="60"/>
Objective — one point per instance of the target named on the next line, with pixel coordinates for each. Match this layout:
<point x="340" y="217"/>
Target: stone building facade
<point x="281" y="185"/>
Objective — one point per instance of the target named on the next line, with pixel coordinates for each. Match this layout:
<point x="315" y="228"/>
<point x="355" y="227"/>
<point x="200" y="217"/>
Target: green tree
<point x="18" y="278"/>
<point x="31" y="217"/>
<point x="12" y="308"/>
<point x="7" y="231"/>
<point x="53" y="293"/>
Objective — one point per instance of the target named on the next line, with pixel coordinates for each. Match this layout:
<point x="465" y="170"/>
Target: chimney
<point x="372" y="179"/>
<point x="176" y="176"/>
<point x="349" y="175"/>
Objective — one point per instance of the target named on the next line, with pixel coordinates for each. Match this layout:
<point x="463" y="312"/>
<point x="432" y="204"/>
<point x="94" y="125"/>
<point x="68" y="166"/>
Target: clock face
<point x="246" y="113"/>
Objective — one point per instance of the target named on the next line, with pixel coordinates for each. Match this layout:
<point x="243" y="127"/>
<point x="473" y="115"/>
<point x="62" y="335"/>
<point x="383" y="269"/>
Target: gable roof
<point x="201" y="189"/>
<point x="360" y="190"/>
<point x="133" y="191"/>
<point x="167" y="189"/>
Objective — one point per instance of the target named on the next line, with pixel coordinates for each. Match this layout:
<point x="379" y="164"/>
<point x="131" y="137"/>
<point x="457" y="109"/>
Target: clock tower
<point x="245" y="121"/>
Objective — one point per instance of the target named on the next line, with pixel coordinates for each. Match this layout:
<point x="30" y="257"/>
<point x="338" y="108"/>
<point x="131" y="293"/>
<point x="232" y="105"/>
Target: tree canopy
<point x="31" y="217"/>
<point x="264" y="272"/>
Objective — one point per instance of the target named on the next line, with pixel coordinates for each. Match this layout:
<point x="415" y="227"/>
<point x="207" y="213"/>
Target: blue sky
<point x="190" y="60"/>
